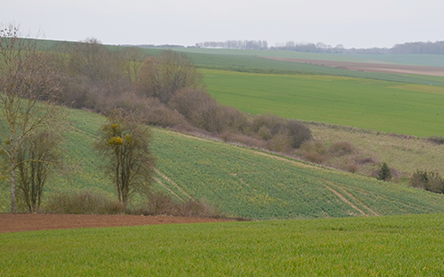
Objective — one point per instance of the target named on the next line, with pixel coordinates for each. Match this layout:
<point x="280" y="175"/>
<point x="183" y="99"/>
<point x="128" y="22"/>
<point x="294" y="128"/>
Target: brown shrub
<point x="264" y="133"/>
<point x="366" y="160"/>
<point x="314" y="157"/>
<point x="234" y="120"/>
<point x="351" y="167"/>
<point x="314" y="146"/>
<point x="162" y="204"/>
<point x="274" y="123"/>
<point x="199" y="108"/>
<point x="280" y="143"/>
<point x="341" y="149"/>
<point x="243" y="139"/>
<point x="82" y="202"/>
<point x="436" y="140"/>
<point x="297" y="133"/>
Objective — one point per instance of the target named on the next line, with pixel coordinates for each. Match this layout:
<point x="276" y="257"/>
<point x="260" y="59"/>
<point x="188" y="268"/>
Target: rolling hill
<point x="239" y="181"/>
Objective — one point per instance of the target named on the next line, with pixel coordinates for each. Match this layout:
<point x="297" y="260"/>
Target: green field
<point x="413" y="59"/>
<point x="375" y="246"/>
<point x="240" y="181"/>
<point x="363" y="103"/>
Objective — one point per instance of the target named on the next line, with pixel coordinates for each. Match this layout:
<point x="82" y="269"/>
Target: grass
<point x="363" y="103"/>
<point x="405" y="155"/>
<point x="375" y="246"/>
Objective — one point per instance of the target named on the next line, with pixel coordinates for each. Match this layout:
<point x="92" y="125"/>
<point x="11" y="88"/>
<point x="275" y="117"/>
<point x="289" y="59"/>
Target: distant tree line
<point x="419" y="48"/>
<point x="235" y="44"/>
<point x="436" y="48"/>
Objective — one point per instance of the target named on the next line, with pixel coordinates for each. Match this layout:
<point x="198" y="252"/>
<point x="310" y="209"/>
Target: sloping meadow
<point x="240" y="182"/>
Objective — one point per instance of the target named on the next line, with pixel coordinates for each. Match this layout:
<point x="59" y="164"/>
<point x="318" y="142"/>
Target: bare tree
<point x="38" y="155"/>
<point x="125" y="146"/>
<point x="133" y="59"/>
<point x="28" y="84"/>
<point x="161" y="76"/>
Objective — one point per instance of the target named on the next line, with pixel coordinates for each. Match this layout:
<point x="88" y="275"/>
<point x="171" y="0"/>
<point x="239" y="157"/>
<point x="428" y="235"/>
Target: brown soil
<point x="32" y="222"/>
<point x="372" y="67"/>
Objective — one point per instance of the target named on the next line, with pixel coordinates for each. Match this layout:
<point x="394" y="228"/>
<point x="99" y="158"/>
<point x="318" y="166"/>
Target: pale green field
<point x="369" y="104"/>
<point x="366" y="246"/>
<point x="405" y="155"/>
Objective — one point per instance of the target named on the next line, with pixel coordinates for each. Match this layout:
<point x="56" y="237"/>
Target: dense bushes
<point x="82" y="202"/>
<point x="160" y="204"/>
<point x="436" y="139"/>
<point x="430" y="181"/>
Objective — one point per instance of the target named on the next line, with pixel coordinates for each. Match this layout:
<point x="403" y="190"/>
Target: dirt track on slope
<point x="33" y="222"/>
<point x="372" y="67"/>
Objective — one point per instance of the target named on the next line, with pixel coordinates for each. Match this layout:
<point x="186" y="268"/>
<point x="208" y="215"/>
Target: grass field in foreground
<point x="363" y="103"/>
<point x="375" y="246"/>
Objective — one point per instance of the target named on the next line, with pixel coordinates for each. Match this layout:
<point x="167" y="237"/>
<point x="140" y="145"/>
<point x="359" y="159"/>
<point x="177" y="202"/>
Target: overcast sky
<point x="353" y="23"/>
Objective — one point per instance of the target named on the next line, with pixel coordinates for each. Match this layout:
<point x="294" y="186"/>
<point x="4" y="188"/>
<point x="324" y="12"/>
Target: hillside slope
<point x="240" y="181"/>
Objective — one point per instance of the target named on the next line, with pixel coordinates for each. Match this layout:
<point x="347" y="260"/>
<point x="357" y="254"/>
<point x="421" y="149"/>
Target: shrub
<point x="341" y="148"/>
<point x="280" y="143"/>
<point x="274" y="123"/>
<point x="314" y="157"/>
<point x="82" y="202"/>
<point x="384" y="173"/>
<point x="436" y="140"/>
<point x="234" y="120"/>
<point x="199" y="108"/>
<point x="264" y="133"/>
<point x="351" y="167"/>
<point x="419" y="179"/>
<point x="243" y="139"/>
<point x="297" y="133"/>
<point x="163" y="204"/>
<point x="430" y="181"/>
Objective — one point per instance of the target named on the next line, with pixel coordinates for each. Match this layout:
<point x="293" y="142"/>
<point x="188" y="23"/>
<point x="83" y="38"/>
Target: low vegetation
<point x="82" y="202"/>
<point x="366" y="246"/>
<point x="428" y="180"/>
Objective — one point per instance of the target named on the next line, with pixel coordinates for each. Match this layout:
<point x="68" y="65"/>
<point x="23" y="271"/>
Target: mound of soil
<point x="32" y="222"/>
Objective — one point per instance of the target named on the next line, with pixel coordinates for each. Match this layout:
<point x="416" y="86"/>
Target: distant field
<point x="413" y="59"/>
<point x="364" y="103"/>
<point x="378" y="67"/>
<point x="375" y="246"/>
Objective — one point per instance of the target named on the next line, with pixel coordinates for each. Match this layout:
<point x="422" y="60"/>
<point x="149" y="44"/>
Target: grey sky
<point x="353" y="23"/>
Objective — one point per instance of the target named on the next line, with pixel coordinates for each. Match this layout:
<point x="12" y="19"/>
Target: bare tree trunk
<point x="13" y="208"/>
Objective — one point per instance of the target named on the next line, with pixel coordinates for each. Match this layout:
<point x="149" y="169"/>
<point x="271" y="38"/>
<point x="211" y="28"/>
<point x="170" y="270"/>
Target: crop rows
<point x="238" y="181"/>
<point x="245" y="183"/>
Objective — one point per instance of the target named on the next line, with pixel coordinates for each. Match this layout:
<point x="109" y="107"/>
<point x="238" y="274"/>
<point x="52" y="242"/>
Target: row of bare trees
<point x="128" y="86"/>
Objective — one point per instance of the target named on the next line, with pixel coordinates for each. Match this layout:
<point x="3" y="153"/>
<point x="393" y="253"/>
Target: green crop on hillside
<point x="239" y="181"/>
<point x="375" y="246"/>
<point x="252" y="184"/>
<point x="363" y="103"/>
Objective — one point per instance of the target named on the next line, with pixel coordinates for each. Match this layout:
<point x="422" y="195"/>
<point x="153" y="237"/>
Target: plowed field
<point x="33" y="222"/>
<point x="372" y="67"/>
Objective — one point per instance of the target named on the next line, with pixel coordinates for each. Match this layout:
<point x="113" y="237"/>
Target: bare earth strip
<point x="345" y="200"/>
<point x="33" y="222"/>
<point x="371" y="67"/>
<point x="354" y="198"/>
